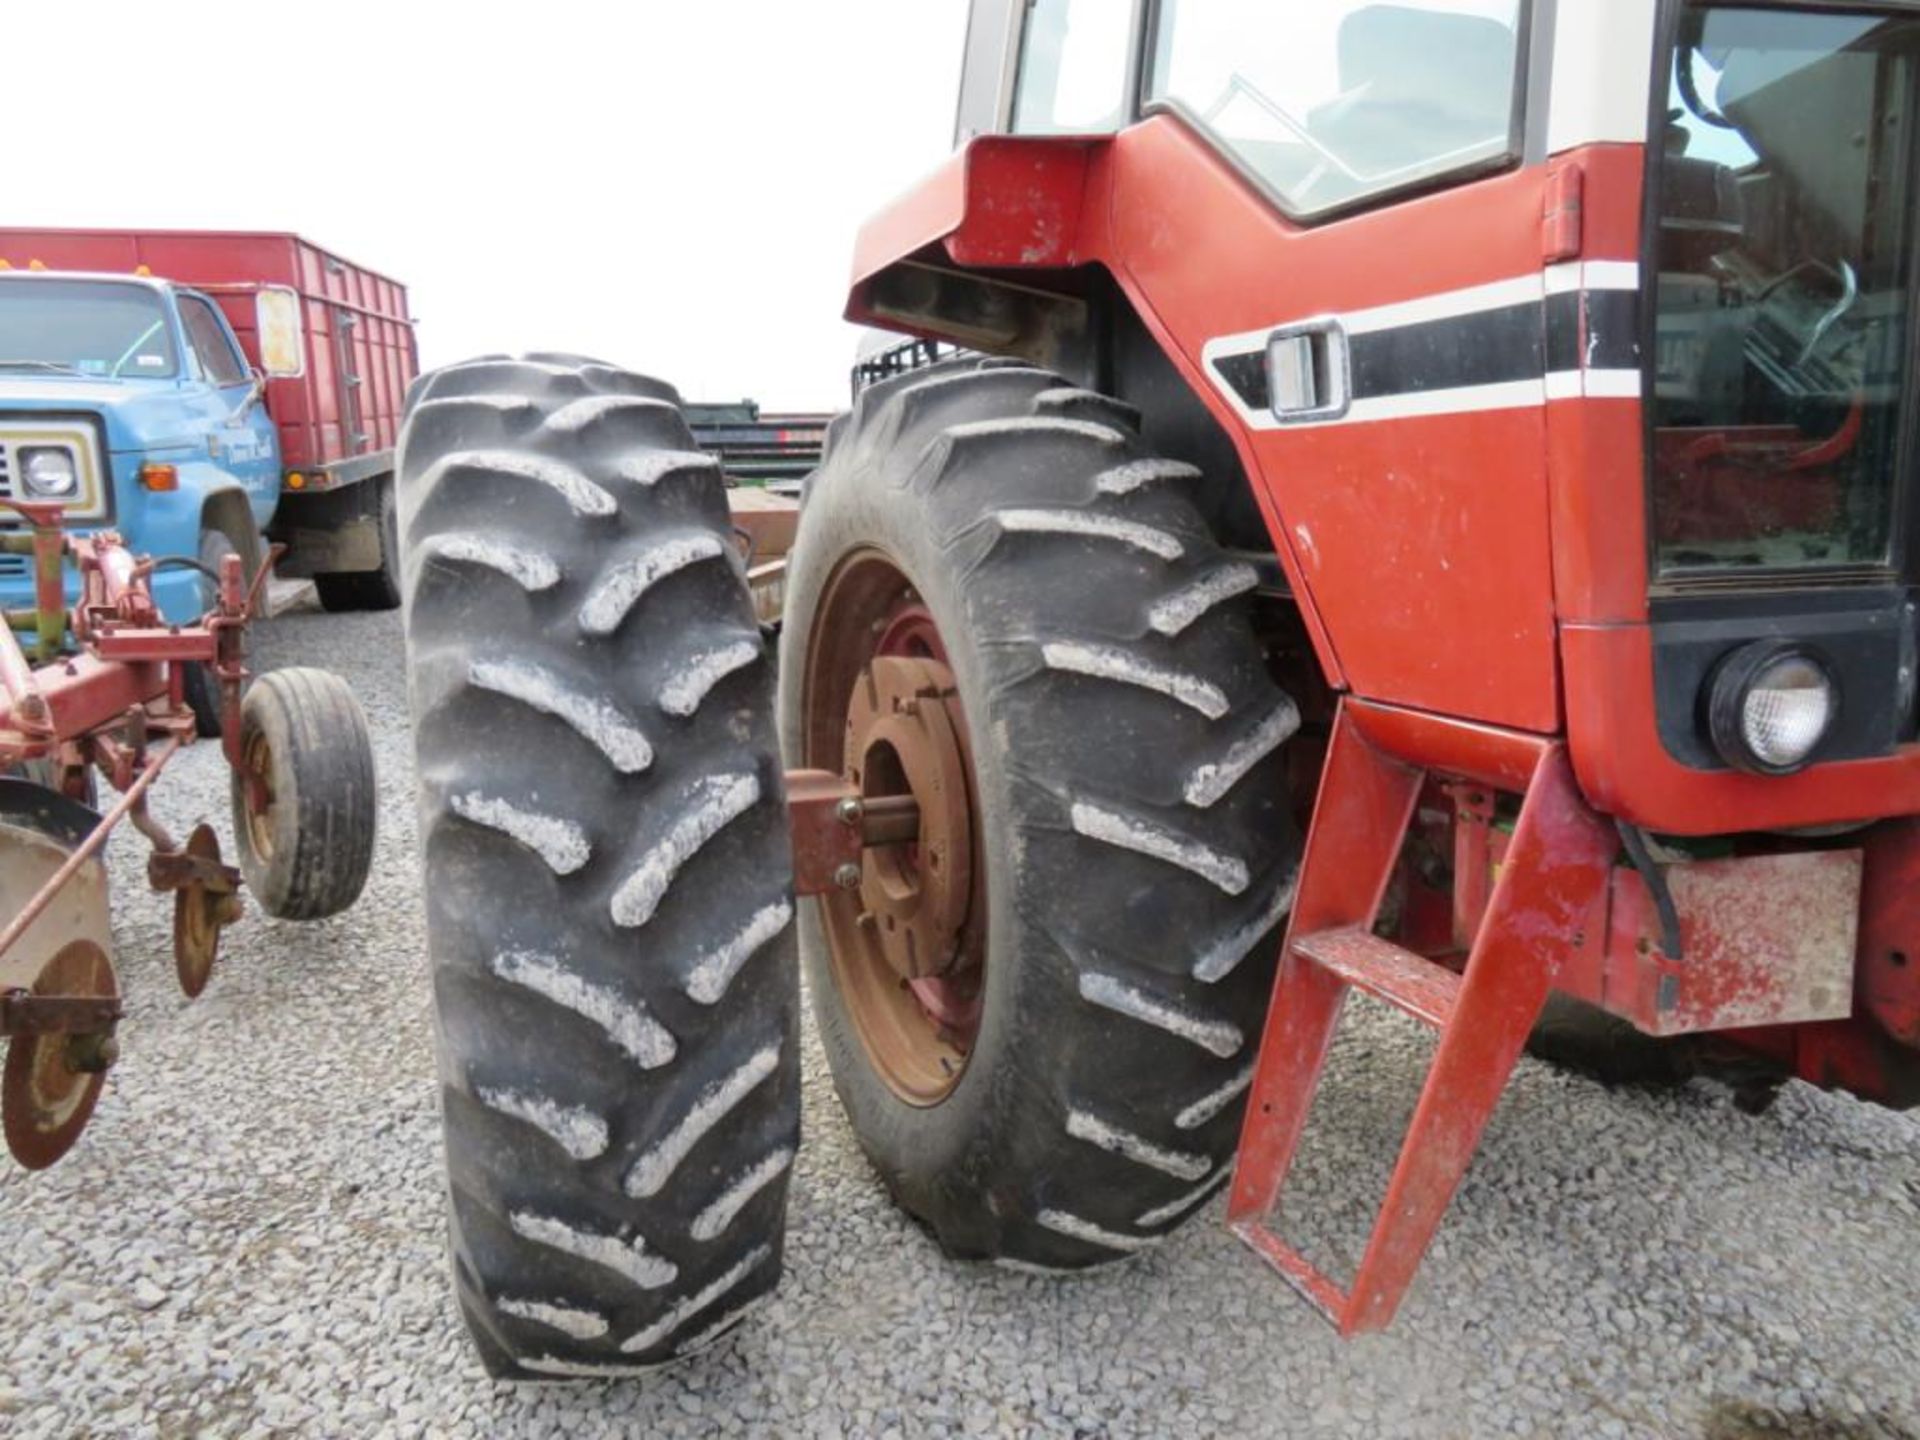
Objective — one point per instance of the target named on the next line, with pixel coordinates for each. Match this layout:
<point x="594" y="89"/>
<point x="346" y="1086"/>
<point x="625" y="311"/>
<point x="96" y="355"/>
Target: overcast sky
<point x="670" y="184"/>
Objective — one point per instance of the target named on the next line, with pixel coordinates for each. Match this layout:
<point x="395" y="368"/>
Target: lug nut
<point x="847" y="877"/>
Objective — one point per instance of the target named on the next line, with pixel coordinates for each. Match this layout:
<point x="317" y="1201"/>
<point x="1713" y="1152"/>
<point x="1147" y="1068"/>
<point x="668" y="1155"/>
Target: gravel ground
<point x="248" y="1241"/>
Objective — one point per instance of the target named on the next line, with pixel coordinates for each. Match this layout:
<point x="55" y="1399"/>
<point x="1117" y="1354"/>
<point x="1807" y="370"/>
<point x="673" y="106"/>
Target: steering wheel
<point x="1848" y="279"/>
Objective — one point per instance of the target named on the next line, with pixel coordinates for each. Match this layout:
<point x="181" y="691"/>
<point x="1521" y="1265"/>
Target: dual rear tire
<point x="607" y="871"/>
<point x="610" y="913"/>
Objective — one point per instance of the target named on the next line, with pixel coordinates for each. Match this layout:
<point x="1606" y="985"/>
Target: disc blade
<point x="44" y="1101"/>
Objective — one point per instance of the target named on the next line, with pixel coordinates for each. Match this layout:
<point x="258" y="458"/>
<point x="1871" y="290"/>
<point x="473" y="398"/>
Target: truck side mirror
<point x="277" y="323"/>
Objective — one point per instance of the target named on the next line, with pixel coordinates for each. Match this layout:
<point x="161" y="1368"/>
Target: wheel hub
<point x="903" y="739"/>
<point x="906" y="938"/>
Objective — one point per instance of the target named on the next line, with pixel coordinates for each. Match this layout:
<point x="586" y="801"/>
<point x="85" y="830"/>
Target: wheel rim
<point x="257" y="754"/>
<point x="907" y="947"/>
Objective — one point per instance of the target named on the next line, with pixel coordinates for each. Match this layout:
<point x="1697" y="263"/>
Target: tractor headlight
<point x="1770" y="705"/>
<point x="47" y="472"/>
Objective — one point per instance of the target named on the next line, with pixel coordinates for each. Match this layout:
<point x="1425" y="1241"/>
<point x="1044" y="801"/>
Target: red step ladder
<point x="1554" y="869"/>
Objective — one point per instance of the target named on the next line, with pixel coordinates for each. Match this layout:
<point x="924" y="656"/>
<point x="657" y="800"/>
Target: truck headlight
<point x="47" y="472"/>
<point x="1769" y="706"/>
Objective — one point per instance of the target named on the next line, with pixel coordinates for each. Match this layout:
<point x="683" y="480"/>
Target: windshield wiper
<point x="59" y="367"/>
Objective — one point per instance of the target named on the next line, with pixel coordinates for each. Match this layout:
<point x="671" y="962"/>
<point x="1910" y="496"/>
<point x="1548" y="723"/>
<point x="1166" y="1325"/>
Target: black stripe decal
<point x="1247" y="374"/>
<point x="1563" y="332"/>
<point x="1569" y="331"/>
<point x="1493" y="347"/>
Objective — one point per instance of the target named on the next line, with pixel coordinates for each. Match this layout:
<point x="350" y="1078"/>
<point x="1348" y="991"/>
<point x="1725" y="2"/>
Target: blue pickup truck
<point x="208" y="418"/>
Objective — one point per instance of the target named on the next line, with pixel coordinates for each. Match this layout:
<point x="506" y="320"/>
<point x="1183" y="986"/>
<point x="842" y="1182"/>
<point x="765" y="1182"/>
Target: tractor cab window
<point x="1332" y="103"/>
<point x="1785" y="260"/>
<point x="1073" y="68"/>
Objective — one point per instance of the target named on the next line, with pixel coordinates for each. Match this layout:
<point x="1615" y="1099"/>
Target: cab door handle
<point x="1309" y="372"/>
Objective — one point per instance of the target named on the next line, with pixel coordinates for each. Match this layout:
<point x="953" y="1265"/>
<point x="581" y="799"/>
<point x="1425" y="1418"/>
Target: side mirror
<point x="256" y="391"/>
<point x="282" y="337"/>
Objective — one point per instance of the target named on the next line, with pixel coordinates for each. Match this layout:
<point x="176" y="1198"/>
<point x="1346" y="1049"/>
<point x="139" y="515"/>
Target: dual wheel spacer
<point x="909" y="962"/>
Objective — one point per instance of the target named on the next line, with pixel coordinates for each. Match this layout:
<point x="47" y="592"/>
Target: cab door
<point x="241" y="438"/>
<point x="1333" y="215"/>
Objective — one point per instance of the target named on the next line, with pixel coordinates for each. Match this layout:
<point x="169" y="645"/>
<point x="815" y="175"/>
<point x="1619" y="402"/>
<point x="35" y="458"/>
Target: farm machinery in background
<point x="764" y="459"/>
<point x="206" y="393"/>
<point x="1422" y="514"/>
<point x="777" y="450"/>
<point x="93" y="685"/>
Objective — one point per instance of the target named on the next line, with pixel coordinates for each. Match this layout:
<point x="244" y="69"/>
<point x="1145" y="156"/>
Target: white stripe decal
<point x="1611" y="275"/>
<point x="1513" y="395"/>
<point x="1564" y="385"/>
<point x="1448" y="305"/>
<point x="1615" y="385"/>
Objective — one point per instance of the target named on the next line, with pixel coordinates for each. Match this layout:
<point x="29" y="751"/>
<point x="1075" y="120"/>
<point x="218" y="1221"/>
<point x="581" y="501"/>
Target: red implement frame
<point x="1556" y="872"/>
<point x="105" y="705"/>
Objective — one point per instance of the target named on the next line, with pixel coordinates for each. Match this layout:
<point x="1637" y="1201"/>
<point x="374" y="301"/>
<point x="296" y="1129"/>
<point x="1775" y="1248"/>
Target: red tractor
<point x="1423" y="514"/>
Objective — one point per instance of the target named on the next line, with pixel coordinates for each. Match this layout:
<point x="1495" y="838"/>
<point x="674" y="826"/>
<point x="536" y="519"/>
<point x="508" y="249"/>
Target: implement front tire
<point x="307" y="852"/>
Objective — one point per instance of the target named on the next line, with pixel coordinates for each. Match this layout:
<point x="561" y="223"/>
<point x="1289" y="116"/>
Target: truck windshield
<point x="84" y="327"/>
<point x="1785" y="249"/>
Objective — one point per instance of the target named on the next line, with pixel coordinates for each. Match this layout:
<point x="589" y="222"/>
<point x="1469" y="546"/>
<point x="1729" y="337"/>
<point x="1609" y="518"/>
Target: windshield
<point x="1785" y="257"/>
<point x="85" y="327"/>
<point x="1333" y="102"/>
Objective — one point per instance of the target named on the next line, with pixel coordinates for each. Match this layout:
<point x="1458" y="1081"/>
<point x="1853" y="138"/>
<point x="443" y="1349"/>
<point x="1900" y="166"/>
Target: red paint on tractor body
<point x="1475" y="586"/>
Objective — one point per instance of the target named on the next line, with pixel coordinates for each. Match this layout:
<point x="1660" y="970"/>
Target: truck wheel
<point x="377" y="589"/>
<point x="608" y="878"/>
<point x="303" y="794"/>
<point x="202" y="691"/>
<point x="1042" y="1016"/>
